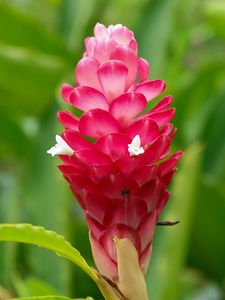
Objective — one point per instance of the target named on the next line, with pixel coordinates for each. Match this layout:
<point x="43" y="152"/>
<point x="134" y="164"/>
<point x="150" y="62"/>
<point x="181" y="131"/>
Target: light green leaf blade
<point x="169" y="251"/>
<point x="33" y="287"/>
<point x="214" y="11"/>
<point x="39" y="236"/>
<point x="157" y="28"/>
<point x="75" y="19"/>
<point x="35" y="235"/>
<point x="51" y="298"/>
<point x="126" y="12"/>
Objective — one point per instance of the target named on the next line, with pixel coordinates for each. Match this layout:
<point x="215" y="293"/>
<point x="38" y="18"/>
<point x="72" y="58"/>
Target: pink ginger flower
<point x="120" y="175"/>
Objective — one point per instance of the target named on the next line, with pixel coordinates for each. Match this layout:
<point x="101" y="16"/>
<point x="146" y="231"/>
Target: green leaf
<point x="42" y="172"/>
<point x="13" y="139"/>
<point x="10" y="186"/>
<point x="215" y="143"/>
<point x="214" y="11"/>
<point x="30" y="77"/>
<point x="127" y="12"/>
<point x="39" y="236"/>
<point x="75" y="18"/>
<point x="31" y="287"/>
<point x="201" y="103"/>
<point x="208" y="230"/>
<point x="19" y="29"/>
<point x="51" y="298"/>
<point x="170" y="247"/>
<point x="157" y="28"/>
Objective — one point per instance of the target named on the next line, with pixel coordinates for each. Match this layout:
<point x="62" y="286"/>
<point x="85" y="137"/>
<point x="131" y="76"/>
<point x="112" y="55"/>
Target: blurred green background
<point x="40" y="43"/>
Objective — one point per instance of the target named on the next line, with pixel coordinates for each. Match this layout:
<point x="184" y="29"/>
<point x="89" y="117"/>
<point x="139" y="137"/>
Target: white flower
<point x="135" y="147"/>
<point x="61" y="147"/>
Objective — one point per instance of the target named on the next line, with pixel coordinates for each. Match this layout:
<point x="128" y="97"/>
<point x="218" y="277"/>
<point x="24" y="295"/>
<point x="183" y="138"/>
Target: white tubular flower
<point x="60" y="148"/>
<point x="135" y="147"/>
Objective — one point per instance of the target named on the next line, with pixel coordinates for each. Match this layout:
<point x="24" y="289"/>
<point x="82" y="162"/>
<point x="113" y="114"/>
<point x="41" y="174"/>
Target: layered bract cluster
<point x="112" y="155"/>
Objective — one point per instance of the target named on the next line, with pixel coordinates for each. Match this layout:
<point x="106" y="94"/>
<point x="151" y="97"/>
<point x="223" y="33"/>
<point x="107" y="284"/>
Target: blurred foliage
<point x="40" y="43"/>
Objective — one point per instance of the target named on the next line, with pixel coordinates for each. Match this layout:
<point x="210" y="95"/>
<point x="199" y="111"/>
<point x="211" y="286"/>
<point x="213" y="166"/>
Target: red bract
<point x="118" y="178"/>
